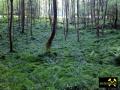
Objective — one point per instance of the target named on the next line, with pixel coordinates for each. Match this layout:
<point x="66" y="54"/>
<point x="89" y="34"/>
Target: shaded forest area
<point x="58" y="44"/>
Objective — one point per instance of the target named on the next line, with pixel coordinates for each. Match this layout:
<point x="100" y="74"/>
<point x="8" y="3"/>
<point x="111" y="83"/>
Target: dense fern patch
<point x="70" y="65"/>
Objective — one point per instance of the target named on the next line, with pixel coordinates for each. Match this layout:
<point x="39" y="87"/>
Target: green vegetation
<point x="70" y="63"/>
<point x="58" y="44"/>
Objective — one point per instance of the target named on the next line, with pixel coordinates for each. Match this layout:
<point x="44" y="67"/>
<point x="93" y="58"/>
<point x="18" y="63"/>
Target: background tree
<point x="10" y="26"/>
<point x="116" y="15"/>
<point x="23" y="14"/>
<point x="66" y="17"/>
<point x="78" y="21"/>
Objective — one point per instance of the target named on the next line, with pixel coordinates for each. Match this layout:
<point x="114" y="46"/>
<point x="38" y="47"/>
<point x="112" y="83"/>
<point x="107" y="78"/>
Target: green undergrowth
<point x="70" y="63"/>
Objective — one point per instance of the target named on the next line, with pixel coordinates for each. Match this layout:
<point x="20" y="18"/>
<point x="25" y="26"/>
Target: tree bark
<point x="48" y="44"/>
<point x="104" y="17"/>
<point x="23" y="15"/>
<point x="78" y="21"/>
<point x="10" y="26"/>
<point x="116" y="16"/>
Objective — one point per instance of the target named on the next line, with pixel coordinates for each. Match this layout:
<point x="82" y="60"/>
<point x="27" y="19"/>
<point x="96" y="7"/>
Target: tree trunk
<point x="78" y="20"/>
<point x="31" y="18"/>
<point x="84" y="14"/>
<point x="23" y="14"/>
<point x="10" y="26"/>
<point x="116" y="16"/>
<point x="97" y="22"/>
<point x="91" y="2"/>
<point x="48" y="44"/>
<point x="104" y="17"/>
<point x="66" y="16"/>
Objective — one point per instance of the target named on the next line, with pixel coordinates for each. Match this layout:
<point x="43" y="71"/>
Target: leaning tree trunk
<point x="10" y="26"/>
<point x="48" y="44"/>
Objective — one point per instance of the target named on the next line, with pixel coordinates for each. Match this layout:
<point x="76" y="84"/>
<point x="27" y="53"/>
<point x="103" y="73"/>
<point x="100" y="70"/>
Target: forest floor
<point x="70" y="64"/>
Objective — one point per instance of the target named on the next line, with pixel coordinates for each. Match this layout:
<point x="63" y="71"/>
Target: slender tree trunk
<point x="84" y="14"/>
<point x="116" y="16"/>
<point x="31" y="20"/>
<point x="97" y="22"/>
<point x="23" y="14"/>
<point x="104" y="17"/>
<point x="91" y="13"/>
<point x="94" y="14"/>
<point x="50" y="13"/>
<point x="8" y="10"/>
<point x="78" y="20"/>
<point x="19" y="14"/>
<point x="48" y="44"/>
<point x="39" y="11"/>
<point x="10" y="26"/>
<point x="66" y="16"/>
